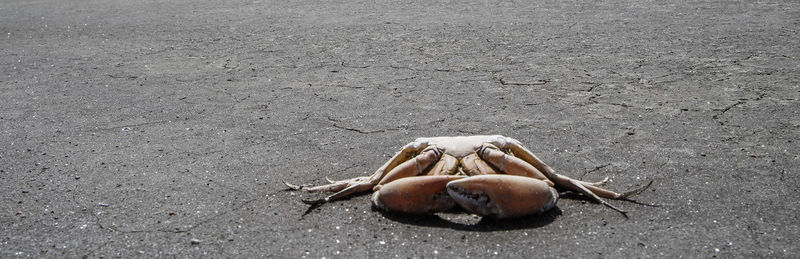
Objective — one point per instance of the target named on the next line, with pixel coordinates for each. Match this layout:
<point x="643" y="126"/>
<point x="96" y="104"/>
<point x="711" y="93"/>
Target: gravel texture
<point x="166" y="128"/>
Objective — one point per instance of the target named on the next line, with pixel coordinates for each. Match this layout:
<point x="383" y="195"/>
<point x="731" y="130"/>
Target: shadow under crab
<point x="458" y="220"/>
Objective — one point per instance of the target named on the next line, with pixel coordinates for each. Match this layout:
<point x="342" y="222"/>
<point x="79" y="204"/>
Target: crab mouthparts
<point x="475" y="201"/>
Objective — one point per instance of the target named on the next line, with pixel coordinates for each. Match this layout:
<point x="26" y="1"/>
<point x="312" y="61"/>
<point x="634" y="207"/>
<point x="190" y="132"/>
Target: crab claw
<point x="415" y="195"/>
<point x="502" y="196"/>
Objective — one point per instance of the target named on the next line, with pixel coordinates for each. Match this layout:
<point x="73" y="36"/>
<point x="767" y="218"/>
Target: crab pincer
<point x="415" y="195"/>
<point x="502" y="196"/>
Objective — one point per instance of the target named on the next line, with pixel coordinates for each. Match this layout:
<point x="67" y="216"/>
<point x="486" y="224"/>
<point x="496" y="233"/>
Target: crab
<point x="488" y="175"/>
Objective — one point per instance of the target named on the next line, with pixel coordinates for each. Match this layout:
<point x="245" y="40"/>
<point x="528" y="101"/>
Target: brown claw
<point x="415" y="195"/>
<point x="503" y="196"/>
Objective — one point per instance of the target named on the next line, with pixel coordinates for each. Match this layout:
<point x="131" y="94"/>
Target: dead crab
<point x="492" y="176"/>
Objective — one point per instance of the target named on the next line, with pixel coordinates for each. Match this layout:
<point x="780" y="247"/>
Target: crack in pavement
<point x="463" y="131"/>
<point x="112" y="228"/>
<point x="191" y="227"/>
<point x="737" y="103"/>
<point x="726" y="109"/>
<point x="217" y="183"/>
<point x="592" y="101"/>
<point x="363" y="131"/>
<point x="357" y="130"/>
<point x="122" y="76"/>
<point x="129" y="127"/>
<point x="592" y="87"/>
<point x="595" y="169"/>
<point x="504" y="81"/>
<point x="90" y="252"/>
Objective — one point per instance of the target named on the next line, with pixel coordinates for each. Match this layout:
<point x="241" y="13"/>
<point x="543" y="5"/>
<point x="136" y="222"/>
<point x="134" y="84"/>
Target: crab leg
<point x="510" y="164"/>
<point x="523" y="153"/>
<point x="332" y="186"/>
<point x="518" y="150"/>
<point x="516" y="166"/>
<point x="474" y="165"/>
<point x="348" y="187"/>
<point x="613" y="195"/>
<point x="413" y="167"/>
<point x="589" y="190"/>
<point x="447" y="165"/>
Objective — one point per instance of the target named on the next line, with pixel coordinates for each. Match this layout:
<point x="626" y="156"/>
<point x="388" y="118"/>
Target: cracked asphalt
<point x="166" y="128"/>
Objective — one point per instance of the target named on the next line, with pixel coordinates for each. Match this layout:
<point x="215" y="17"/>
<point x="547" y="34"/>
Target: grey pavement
<point x="166" y="128"/>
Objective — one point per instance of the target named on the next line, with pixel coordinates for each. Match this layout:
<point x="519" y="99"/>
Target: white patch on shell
<point x="377" y="202"/>
<point x="552" y="202"/>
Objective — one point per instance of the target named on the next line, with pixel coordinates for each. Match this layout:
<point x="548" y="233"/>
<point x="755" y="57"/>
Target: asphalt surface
<point x="166" y="128"/>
